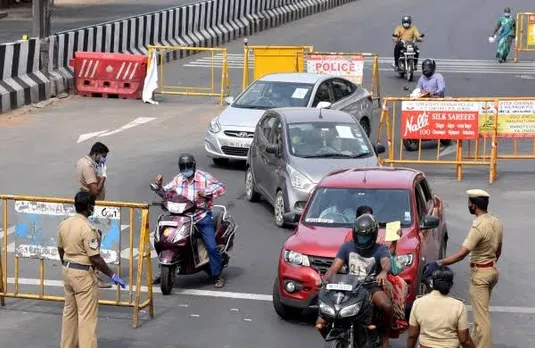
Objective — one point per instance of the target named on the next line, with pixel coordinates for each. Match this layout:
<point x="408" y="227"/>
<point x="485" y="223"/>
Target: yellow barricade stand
<point x="218" y="56"/>
<point x="272" y="59"/>
<point x="349" y="65"/>
<point x="525" y="33"/>
<point x="413" y="128"/>
<point x="34" y="231"/>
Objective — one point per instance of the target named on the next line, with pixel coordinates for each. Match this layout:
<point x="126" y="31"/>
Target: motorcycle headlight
<point x="180" y="234"/>
<point x="296" y="258"/>
<point x="326" y="310"/>
<point x="410" y="49"/>
<point x="298" y="180"/>
<point x="404" y="260"/>
<point x="214" y="126"/>
<point x="350" y="311"/>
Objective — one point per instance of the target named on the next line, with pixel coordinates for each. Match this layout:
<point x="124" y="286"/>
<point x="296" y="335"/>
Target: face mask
<point x="91" y="210"/>
<point x="102" y="160"/>
<point x="406" y="25"/>
<point x="472" y="209"/>
<point x="507" y="14"/>
<point x="363" y="239"/>
<point x="188" y="173"/>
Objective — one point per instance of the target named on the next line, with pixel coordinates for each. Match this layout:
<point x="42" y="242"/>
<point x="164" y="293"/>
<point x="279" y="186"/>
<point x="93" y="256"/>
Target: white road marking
<point x="448" y="150"/>
<point x="10" y="230"/>
<point x="243" y="295"/>
<point x="87" y="136"/>
<point x="138" y="121"/>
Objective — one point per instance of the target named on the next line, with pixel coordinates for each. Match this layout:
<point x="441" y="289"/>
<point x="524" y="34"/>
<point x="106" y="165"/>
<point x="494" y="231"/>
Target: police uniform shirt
<point x="86" y="173"/>
<point x="439" y="317"/>
<point x="409" y="34"/>
<point x="79" y="239"/>
<point x="484" y="238"/>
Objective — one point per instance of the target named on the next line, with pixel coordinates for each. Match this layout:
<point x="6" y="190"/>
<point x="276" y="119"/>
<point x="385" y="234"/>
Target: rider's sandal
<point x="219" y="283"/>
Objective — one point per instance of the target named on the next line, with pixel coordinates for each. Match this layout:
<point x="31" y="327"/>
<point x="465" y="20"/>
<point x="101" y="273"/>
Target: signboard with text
<point x="516" y="119"/>
<point x="531" y="30"/>
<point x="350" y="67"/>
<point x="37" y="225"/>
<point x="434" y="120"/>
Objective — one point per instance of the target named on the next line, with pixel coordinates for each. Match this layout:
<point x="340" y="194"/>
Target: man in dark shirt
<point x="365" y="257"/>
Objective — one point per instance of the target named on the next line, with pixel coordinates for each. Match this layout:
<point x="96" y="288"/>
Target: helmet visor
<point x="363" y="239"/>
<point x="187" y="168"/>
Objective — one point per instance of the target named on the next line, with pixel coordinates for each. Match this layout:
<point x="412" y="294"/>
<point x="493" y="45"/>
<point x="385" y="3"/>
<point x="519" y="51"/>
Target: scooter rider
<point x="431" y="82"/>
<point x="364" y="256"/>
<point x="407" y="32"/>
<point x="201" y="188"/>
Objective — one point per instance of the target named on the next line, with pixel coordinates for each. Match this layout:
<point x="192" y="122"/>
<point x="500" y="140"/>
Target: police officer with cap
<point x="484" y="244"/>
<point x="79" y="251"/>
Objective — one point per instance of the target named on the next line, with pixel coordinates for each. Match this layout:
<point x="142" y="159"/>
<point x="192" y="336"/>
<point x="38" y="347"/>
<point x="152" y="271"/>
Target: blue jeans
<point x="207" y="231"/>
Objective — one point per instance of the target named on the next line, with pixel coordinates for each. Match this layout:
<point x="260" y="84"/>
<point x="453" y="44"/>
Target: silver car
<point x="230" y="134"/>
<point x="293" y="148"/>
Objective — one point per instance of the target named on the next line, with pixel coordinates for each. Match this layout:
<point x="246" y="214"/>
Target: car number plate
<point x="341" y="287"/>
<point x="241" y="145"/>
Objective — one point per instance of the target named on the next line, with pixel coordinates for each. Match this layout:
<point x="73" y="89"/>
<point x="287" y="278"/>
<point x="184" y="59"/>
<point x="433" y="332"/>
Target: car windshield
<point x="273" y="94"/>
<point x="328" y="140"/>
<point x="336" y="207"/>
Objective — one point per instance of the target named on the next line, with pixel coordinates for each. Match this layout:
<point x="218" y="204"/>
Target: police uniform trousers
<point x="482" y="281"/>
<point x="80" y="313"/>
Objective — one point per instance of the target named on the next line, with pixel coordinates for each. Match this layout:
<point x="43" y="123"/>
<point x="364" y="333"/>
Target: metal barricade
<point x="272" y="59"/>
<point x="415" y="127"/>
<point x="348" y="65"/>
<point x="218" y="64"/>
<point x="37" y="219"/>
<point x="525" y="33"/>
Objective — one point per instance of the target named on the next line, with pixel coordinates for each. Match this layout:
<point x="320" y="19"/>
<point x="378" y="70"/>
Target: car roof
<point x="380" y="178"/>
<point x="295" y="77"/>
<point x="299" y="114"/>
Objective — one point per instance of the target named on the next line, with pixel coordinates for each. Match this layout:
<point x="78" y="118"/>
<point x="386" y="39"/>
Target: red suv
<point x="394" y="194"/>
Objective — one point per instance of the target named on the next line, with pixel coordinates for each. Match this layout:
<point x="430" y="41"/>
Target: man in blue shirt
<point x="431" y="82"/>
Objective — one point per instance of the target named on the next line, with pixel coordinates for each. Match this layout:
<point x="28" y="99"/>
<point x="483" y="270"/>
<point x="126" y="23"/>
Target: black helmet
<point x="365" y="231"/>
<point x="406" y="20"/>
<point x="187" y="165"/>
<point x="428" y="67"/>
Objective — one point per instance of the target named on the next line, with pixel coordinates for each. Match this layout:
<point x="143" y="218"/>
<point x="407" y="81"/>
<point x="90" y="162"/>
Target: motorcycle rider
<point x="364" y="256"/>
<point x="431" y="82"/>
<point x="407" y="32"/>
<point x="200" y="188"/>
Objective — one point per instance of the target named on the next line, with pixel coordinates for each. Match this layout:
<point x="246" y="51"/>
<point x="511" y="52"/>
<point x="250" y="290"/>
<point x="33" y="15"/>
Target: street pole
<point x="41" y="14"/>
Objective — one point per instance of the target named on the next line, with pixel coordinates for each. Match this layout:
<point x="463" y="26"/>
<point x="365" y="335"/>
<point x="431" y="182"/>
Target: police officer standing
<point x="484" y="244"/>
<point x="79" y="251"/>
<point x="91" y="175"/>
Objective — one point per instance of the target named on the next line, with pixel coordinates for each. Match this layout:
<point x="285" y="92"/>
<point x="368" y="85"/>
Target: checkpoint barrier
<point x="37" y="219"/>
<point x="349" y="65"/>
<point x="525" y="33"/>
<point x="272" y="59"/>
<point x="218" y="57"/>
<point x="109" y="75"/>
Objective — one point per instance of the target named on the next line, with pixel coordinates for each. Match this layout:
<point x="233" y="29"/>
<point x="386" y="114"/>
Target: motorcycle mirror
<point x="154" y="187"/>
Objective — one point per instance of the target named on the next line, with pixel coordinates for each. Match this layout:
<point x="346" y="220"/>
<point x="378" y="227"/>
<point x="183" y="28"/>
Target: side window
<point x="322" y="94"/>
<point x="341" y="89"/>
<point x="277" y="132"/>
<point x="420" y="202"/>
<point x="427" y="194"/>
<point x="267" y="128"/>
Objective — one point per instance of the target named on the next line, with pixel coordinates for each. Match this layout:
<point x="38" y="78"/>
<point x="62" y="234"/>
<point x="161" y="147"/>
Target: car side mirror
<point x="323" y="105"/>
<point x="154" y="187"/>
<point x="229" y="100"/>
<point x="379" y="149"/>
<point x="272" y="148"/>
<point x="291" y="218"/>
<point x="430" y="222"/>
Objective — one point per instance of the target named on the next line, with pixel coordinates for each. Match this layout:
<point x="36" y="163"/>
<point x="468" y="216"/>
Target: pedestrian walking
<point x="91" y="175"/>
<point x="79" y="250"/>
<point x="437" y="319"/>
<point x="484" y="244"/>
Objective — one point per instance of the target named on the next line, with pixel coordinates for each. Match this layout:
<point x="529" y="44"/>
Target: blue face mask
<point x="102" y="160"/>
<point x="188" y="173"/>
<point x="363" y="239"/>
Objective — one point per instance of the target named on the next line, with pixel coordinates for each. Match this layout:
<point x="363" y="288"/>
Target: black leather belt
<point x="79" y="266"/>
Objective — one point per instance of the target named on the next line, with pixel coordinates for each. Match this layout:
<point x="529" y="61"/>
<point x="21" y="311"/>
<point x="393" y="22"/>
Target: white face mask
<point x="406" y="25"/>
<point x="507" y="14"/>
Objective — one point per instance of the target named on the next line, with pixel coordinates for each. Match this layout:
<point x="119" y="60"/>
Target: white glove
<point x="492" y="39"/>
<point x="101" y="171"/>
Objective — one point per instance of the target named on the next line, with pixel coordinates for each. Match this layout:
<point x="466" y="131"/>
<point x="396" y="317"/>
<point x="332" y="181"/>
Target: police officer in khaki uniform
<point x="91" y="175"/>
<point x="484" y="244"/>
<point x="438" y="320"/>
<point x="79" y="251"/>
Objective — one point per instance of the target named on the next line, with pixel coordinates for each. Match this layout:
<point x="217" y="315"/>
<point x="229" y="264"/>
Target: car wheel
<point x="279" y="209"/>
<point x="250" y="193"/>
<point x="283" y="311"/>
<point x="366" y="126"/>
<point x="410" y="145"/>
<point x="220" y="161"/>
<point x="446" y="142"/>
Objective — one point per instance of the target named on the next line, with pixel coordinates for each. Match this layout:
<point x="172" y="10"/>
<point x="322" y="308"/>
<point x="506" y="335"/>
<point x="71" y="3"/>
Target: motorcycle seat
<point x="217" y="215"/>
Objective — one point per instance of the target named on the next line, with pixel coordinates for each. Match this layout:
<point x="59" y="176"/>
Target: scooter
<point x="407" y="60"/>
<point x="178" y="243"/>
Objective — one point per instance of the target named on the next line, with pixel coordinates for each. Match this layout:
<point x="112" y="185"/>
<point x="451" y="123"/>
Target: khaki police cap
<point x="476" y="193"/>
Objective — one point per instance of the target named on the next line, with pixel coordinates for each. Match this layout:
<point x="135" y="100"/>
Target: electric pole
<point x="41" y="13"/>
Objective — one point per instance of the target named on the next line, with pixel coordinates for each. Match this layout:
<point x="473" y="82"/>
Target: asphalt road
<point x="47" y="138"/>
<point x="72" y="14"/>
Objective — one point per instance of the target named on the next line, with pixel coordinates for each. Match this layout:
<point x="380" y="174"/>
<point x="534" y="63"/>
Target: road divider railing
<point x="525" y="33"/>
<point x="272" y="59"/>
<point x="422" y="131"/>
<point x="32" y="222"/>
<point x="219" y="84"/>
<point x="349" y="65"/>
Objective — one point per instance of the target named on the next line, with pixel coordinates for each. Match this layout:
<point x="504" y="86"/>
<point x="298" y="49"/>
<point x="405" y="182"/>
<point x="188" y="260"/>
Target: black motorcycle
<point x="406" y="63"/>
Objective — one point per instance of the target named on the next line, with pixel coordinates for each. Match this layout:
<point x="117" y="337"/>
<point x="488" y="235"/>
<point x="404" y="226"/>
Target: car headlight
<point x="404" y="260"/>
<point x="350" y="311"/>
<point x="296" y="258"/>
<point x="214" y="125"/>
<point x="325" y="309"/>
<point x="298" y="180"/>
<point x="180" y="234"/>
